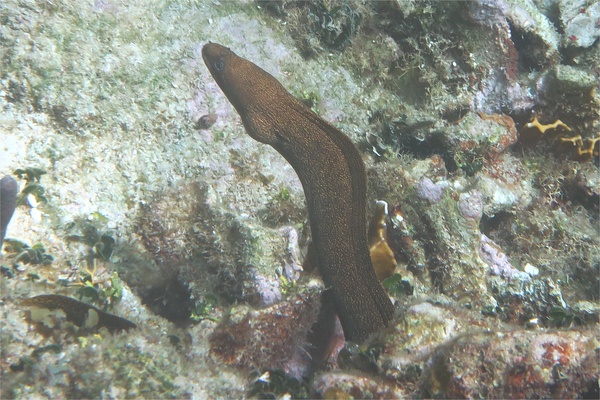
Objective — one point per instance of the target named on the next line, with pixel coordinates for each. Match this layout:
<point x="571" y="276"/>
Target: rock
<point x="441" y="351"/>
<point x="580" y="21"/>
<point x="517" y="364"/>
<point x="344" y="385"/>
<point x="535" y="36"/>
<point x="566" y="79"/>
<point x="269" y="338"/>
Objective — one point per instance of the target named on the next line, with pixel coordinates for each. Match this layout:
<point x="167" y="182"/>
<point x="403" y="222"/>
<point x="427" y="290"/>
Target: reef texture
<point x="270" y="338"/>
<point x="438" y="352"/>
<point x="141" y="195"/>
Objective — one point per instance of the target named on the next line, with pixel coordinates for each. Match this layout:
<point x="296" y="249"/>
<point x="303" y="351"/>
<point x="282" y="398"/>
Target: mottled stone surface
<point x="340" y="385"/>
<point x="438" y="351"/>
<point x="520" y="364"/>
<point x="269" y="338"/>
<point x="580" y="19"/>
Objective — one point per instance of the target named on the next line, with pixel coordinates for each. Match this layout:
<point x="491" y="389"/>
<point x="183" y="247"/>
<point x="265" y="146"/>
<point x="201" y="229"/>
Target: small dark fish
<point x="8" y="202"/>
<point x="206" y="121"/>
<point x="80" y="313"/>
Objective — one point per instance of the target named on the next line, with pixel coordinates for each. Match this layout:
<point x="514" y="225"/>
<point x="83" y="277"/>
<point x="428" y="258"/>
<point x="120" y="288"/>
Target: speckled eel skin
<point x="333" y="178"/>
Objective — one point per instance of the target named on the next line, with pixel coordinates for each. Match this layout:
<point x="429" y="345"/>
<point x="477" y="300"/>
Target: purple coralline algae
<point x="430" y="191"/>
<point x="497" y="260"/>
<point x="470" y="205"/>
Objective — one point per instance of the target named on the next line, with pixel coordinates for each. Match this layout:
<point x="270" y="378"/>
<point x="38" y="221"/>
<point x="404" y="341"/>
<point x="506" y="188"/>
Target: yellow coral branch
<point x="543" y="128"/>
<point x="577" y="141"/>
<point x="590" y="150"/>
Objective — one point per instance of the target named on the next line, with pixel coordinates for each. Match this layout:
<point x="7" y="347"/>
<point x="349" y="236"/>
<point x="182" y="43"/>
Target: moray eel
<point x="333" y="177"/>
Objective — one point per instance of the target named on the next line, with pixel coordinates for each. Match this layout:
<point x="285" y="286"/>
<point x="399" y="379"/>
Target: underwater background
<point x="141" y="196"/>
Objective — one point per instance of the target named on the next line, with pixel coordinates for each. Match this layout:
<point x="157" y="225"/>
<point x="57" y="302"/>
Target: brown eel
<point x="333" y="178"/>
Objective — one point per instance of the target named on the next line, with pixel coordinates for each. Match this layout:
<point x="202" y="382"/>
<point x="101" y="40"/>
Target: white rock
<point x="531" y="270"/>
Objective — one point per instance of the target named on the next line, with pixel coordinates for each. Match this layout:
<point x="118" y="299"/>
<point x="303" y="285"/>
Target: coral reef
<point x="345" y="385"/>
<point x="141" y="193"/>
<point x="438" y="358"/>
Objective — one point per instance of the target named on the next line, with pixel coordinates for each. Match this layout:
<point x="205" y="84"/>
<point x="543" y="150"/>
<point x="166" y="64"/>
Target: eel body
<point x="333" y="177"/>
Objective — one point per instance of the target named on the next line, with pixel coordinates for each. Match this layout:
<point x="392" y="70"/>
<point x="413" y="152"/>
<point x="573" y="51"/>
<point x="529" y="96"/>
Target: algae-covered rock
<point x="150" y="176"/>
<point x="446" y="248"/>
<point x="580" y="19"/>
<point x="346" y="385"/>
<point x="513" y="364"/>
<point x="566" y="79"/>
<point x="269" y="338"/>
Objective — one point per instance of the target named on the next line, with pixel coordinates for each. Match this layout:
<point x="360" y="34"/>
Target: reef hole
<point x="171" y="300"/>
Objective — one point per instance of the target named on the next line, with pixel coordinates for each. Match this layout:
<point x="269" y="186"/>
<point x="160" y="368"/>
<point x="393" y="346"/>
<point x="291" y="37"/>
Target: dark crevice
<point x="593" y="391"/>
<point x="171" y="300"/>
<point x="528" y="46"/>
<point x="489" y="224"/>
<point x="577" y="190"/>
<point x="405" y="140"/>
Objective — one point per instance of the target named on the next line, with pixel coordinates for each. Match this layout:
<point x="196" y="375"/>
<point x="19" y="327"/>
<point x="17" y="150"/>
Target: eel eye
<point x="219" y="65"/>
